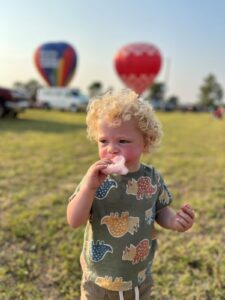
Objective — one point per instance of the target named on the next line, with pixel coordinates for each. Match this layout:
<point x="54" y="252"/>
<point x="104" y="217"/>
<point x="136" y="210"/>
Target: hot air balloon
<point x="56" y="62"/>
<point x="137" y="65"/>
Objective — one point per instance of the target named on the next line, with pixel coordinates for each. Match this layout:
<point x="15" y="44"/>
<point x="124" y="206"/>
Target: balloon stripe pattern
<point x="137" y="65"/>
<point x="56" y="62"/>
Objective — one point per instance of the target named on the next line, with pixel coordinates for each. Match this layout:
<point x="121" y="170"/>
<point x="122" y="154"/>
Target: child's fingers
<point x="185" y="218"/>
<point x="184" y="221"/>
<point x="101" y="164"/>
<point x="188" y="210"/>
<point x="183" y="225"/>
<point x="104" y="162"/>
<point x="180" y="225"/>
<point x="183" y="215"/>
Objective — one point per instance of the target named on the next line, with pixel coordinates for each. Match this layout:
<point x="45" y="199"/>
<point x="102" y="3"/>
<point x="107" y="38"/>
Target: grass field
<point x="44" y="154"/>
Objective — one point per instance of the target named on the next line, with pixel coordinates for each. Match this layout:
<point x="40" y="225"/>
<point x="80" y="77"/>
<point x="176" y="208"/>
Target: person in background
<point x="218" y="112"/>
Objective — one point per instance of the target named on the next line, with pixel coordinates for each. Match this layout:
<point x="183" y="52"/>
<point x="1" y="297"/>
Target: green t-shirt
<point x="119" y="240"/>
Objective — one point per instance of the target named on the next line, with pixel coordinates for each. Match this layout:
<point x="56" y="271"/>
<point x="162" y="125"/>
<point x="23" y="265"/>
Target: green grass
<point x="44" y="154"/>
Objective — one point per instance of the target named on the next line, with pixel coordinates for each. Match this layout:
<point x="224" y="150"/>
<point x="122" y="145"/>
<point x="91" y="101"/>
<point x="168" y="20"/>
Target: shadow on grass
<point x="22" y="125"/>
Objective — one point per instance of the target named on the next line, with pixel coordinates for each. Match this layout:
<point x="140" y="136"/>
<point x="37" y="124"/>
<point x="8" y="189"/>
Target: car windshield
<point x="80" y="97"/>
<point x="75" y="93"/>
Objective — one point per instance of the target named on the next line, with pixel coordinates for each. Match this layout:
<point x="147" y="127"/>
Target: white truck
<point x="62" y="98"/>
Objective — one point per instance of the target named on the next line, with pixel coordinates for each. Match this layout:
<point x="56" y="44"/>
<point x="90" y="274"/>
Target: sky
<point x="190" y="35"/>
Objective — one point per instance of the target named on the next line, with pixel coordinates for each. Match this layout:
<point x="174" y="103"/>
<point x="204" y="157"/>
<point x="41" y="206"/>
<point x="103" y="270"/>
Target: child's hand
<point x="95" y="175"/>
<point x="184" y="218"/>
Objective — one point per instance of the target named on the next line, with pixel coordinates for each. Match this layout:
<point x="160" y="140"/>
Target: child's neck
<point x="135" y="168"/>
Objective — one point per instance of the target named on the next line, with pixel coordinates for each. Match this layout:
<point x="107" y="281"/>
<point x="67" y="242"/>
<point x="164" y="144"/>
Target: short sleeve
<point x="164" y="197"/>
<point x="75" y="192"/>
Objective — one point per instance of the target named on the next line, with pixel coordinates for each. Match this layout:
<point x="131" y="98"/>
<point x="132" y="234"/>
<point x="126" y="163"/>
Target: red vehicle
<point x="12" y="102"/>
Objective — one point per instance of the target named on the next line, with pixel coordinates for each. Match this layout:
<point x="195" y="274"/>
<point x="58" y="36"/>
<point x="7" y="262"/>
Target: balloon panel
<point x="137" y="65"/>
<point x="56" y="62"/>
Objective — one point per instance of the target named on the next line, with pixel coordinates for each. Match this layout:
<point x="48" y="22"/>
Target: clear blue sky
<point x="189" y="33"/>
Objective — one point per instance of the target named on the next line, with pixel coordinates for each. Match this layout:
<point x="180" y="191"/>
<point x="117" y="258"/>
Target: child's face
<point x="125" y="139"/>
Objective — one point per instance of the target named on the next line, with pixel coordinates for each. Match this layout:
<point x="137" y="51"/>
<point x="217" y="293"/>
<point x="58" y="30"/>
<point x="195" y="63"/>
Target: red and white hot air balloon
<point x="137" y="65"/>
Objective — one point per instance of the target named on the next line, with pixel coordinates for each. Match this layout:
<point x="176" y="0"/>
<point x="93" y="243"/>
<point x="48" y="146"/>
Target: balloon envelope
<point x="56" y="62"/>
<point x="137" y="65"/>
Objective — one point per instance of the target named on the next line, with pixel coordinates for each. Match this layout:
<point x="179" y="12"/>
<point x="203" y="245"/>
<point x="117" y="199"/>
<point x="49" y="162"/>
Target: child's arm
<point x="78" y="209"/>
<point x="180" y="221"/>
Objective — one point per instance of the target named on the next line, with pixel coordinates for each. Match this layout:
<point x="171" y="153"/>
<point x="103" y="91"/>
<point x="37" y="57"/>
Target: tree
<point x="211" y="92"/>
<point x="173" y="100"/>
<point x="156" y="92"/>
<point x="30" y="87"/>
<point x="95" y="89"/>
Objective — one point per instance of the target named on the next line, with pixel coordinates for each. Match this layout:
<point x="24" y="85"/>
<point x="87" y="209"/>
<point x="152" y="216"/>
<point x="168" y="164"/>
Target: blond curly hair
<point x="121" y="107"/>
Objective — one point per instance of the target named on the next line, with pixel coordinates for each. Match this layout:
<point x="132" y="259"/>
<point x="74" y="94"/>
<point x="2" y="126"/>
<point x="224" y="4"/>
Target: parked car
<point x="62" y="98"/>
<point x="169" y="106"/>
<point x="12" y="102"/>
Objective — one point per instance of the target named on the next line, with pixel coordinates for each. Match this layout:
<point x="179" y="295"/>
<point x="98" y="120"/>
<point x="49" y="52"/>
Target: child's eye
<point x="102" y="141"/>
<point x="124" y="141"/>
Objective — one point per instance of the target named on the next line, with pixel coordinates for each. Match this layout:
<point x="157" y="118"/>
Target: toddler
<point x="120" y="210"/>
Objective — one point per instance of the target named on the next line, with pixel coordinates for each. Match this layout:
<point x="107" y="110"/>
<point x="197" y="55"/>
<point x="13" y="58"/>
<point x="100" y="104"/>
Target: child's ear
<point x="146" y="144"/>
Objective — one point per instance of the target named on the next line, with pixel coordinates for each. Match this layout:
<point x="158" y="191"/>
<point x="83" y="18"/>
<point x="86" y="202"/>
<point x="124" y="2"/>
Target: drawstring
<point x="121" y="295"/>
<point x="136" y="291"/>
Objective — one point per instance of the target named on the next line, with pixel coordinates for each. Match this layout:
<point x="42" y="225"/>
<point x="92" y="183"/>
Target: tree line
<point x="210" y="92"/>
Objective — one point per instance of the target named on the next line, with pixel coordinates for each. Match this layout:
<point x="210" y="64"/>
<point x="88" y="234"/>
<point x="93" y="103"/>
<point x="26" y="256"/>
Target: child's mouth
<point x="117" y="166"/>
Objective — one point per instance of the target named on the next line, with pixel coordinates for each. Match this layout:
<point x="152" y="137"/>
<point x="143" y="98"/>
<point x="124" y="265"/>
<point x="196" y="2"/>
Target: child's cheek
<point x="130" y="154"/>
<point x="102" y="153"/>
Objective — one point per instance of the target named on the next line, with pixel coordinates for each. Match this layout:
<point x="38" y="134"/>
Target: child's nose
<point x="113" y="148"/>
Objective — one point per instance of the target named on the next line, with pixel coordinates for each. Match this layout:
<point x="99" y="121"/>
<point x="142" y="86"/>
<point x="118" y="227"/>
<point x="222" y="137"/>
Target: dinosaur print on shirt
<point x="98" y="250"/>
<point x="118" y="226"/>
<point x="114" y="285"/>
<point x="138" y="253"/>
<point x="105" y="187"/>
<point x="141" y="188"/>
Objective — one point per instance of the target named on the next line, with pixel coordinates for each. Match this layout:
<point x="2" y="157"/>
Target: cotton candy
<point x="117" y="166"/>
